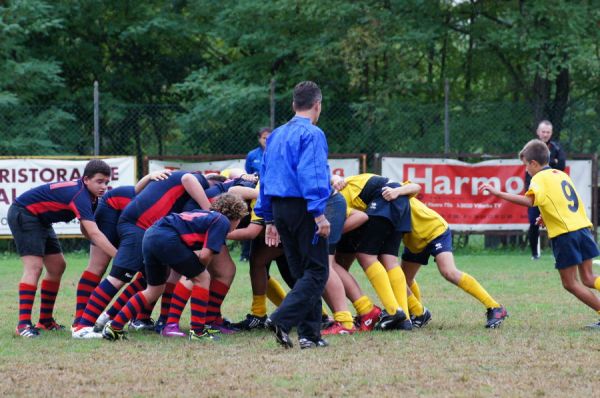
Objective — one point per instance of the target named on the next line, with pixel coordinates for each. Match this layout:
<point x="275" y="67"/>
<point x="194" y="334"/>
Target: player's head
<point x="535" y="155"/>
<point x="214" y="178"/>
<point x="262" y="135"/>
<point x="307" y="98"/>
<point x="231" y="206"/>
<point x="544" y="130"/>
<point x="96" y="176"/>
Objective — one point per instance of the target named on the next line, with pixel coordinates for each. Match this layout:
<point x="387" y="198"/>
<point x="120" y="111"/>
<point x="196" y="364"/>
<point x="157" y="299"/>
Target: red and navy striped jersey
<point x="158" y="199"/>
<point x="198" y="228"/>
<point x="118" y="198"/>
<point x="59" y="201"/>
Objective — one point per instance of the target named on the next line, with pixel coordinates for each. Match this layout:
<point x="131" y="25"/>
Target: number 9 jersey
<point x="561" y="207"/>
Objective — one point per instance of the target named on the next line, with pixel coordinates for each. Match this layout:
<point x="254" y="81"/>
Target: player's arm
<point x="408" y="189"/>
<point x="248" y="233"/>
<point x="194" y="188"/>
<point x="205" y="255"/>
<point x="83" y="231"/>
<point x="337" y="182"/>
<point x="244" y="192"/>
<point x="154" y="176"/>
<point x="510" y="197"/>
<point x="355" y="219"/>
<point x="97" y="237"/>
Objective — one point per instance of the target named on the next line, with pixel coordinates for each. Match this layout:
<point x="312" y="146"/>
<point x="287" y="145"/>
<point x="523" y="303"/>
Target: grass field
<point x="541" y="350"/>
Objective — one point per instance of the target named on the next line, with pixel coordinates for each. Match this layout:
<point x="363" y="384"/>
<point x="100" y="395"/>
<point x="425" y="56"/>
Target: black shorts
<point x="32" y="238"/>
<point x="163" y="249"/>
<point x="107" y="220"/>
<point x="376" y="236"/>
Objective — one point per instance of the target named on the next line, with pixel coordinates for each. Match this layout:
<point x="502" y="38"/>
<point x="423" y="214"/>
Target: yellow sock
<point x="415" y="307"/>
<point x="275" y="292"/>
<point x="471" y="286"/>
<point x="597" y="283"/>
<point x="381" y="283"/>
<point x="345" y="318"/>
<point x="259" y="305"/>
<point x="414" y="287"/>
<point x="398" y="282"/>
<point x="363" y="305"/>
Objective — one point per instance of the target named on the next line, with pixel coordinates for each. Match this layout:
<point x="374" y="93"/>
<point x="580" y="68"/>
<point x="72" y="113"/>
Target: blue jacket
<point x="295" y="166"/>
<point x="254" y="160"/>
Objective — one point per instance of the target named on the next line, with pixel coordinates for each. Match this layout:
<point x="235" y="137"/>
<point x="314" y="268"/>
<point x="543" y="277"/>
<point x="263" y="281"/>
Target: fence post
<point x="446" y="118"/>
<point x="272" y="104"/>
<point x="96" y="119"/>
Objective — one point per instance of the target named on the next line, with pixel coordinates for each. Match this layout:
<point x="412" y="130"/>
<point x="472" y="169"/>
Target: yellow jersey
<point x="561" y="207"/>
<point x="427" y="225"/>
<point x="358" y="192"/>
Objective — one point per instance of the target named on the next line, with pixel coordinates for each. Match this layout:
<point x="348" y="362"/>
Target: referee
<point x="294" y="188"/>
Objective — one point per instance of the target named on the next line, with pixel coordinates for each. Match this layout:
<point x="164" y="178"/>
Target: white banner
<point x="20" y="175"/>
<point x="342" y="167"/>
<point x="450" y="187"/>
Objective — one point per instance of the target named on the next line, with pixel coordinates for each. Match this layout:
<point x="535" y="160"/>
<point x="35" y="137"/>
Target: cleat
<point x="405" y="325"/>
<point x="141" y="325"/>
<point x="101" y="321"/>
<point x="27" y="331"/>
<point x="49" y="325"/>
<point x="280" y="335"/>
<point x="85" y="332"/>
<point x="421" y="320"/>
<point x="593" y="326"/>
<point x="326" y="321"/>
<point x="172" y="330"/>
<point x="495" y="317"/>
<point x="367" y="322"/>
<point x="112" y="334"/>
<point x="159" y="325"/>
<point x="391" y="322"/>
<point x="251" y="322"/>
<point x="204" y="335"/>
<point x="223" y="326"/>
<point x="338" y="328"/>
<point x="305" y="343"/>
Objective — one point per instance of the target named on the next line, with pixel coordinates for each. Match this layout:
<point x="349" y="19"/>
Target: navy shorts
<point x="32" y="238"/>
<point x="129" y="256"/>
<point x="163" y="249"/>
<point x="442" y="243"/>
<point x="397" y="211"/>
<point x="572" y="248"/>
<point x="335" y="212"/>
<point x="376" y="236"/>
<point x="107" y="220"/>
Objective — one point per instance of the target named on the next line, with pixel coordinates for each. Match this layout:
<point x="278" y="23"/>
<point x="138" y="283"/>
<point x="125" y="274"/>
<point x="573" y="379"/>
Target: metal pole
<point x="446" y="118"/>
<point x="272" y="104"/>
<point x="96" y="119"/>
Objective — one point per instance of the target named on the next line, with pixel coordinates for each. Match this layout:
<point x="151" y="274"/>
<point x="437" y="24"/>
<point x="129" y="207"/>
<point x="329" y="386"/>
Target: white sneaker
<point x="86" y="333"/>
<point x="101" y="321"/>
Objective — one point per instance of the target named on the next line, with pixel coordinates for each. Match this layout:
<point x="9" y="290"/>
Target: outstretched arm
<point x="97" y="237"/>
<point x="510" y="197"/>
<point x="154" y="176"/>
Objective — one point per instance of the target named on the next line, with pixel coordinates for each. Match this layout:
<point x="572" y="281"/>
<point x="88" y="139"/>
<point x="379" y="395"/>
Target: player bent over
<point x="563" y="213"/>
<point x="173" y="242"/>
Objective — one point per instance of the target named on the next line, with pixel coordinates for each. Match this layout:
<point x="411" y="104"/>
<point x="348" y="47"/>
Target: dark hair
<point x="96" y="166"/>
<point x="306" y="94"/>
<point x="263" y="130"/>
<point x="231" y="206"/>
<point x="535" y="150"/>
<point x="215" y="177"/>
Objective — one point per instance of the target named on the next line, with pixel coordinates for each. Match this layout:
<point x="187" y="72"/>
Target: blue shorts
<point x="129" y="255"/>
<point x="107" y="220"/>
<point x="335" y="212"/>
<point x="442" y="243"/>
<point x="32" y="237"/>
<point x="572" y="248"/>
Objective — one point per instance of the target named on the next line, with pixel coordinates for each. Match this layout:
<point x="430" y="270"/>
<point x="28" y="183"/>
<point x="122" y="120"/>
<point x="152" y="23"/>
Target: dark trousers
<point x="534" y="230"/>
<point x="308" y="264"/>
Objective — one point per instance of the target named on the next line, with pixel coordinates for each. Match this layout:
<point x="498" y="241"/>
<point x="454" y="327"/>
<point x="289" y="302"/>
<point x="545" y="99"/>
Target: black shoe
<point x="595" y="326"/>
<point x="326" y="321"/>
<point x="391" y="322"/>
<point x="305" y="343"/>
<point x="160" y="325"/>
<point x="112" y="334"/>
<point x="405" y="325"/>
<point x="280" y="335"/>
<point x="251" y="322"/>
<point x="421" y="320"/>
<point x="495" y="317"/>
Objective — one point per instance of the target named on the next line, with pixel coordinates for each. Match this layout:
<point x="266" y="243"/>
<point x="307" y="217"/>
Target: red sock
<point x="26" y="299"/>
<point x="49" y="290"/>
<point x="218" y="291"/>
<point x="146" y="312"/>
<point x="136" y="285"/>
<point x="165" y="301"/>
<point x="85" y="287"/>
<point x="133" y="307"/>
<point x="181" y="295"/>
<point x="198" y="305"/>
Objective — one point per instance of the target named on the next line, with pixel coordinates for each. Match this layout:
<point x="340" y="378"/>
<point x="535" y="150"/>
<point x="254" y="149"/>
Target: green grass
<point x="541" y="350"/>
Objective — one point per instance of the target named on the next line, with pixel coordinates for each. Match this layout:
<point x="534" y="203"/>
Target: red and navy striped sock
<point x="218" y="291"/>
<point x="99" y="299"/>
<point x="181" y="295"/>
<point x="26" y="299"/>
<point x="88" y="282"/>
<point x="49" y="290"/>
<point x="165" y="301"/>
<point x="146" y="312"/>
<point x="136" y="285"/>
<point x="133" y="307"/>
<point x="198" y="305"/>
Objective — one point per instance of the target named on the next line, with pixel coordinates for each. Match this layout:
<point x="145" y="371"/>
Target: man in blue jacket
<point x="295" y="186"/>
